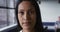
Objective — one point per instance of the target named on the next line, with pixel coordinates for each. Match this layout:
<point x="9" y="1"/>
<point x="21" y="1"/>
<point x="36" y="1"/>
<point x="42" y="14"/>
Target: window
<point x="7" y="15"/>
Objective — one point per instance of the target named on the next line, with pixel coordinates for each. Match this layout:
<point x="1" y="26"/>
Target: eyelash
<point x="30" y="12"/>
<point x="21" y="13"/>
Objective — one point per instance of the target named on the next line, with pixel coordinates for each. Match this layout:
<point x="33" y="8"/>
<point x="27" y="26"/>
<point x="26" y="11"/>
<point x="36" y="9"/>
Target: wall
<point x="50" y="10"/>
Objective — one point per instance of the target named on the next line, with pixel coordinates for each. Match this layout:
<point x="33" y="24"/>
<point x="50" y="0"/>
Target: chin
<point x="27" y="28"/>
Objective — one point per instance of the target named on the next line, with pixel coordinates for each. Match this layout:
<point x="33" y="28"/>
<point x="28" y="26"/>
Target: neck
<point x="28" y="30"/>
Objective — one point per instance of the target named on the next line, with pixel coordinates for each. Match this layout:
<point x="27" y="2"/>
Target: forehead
<point x="25" y="4"/>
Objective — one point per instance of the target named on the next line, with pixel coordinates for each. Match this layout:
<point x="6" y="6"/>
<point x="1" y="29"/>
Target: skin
<point x="27" y="16"/>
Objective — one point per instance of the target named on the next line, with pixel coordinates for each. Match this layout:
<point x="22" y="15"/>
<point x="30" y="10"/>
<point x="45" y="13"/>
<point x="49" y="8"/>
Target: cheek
<point x="20" y="19"/>
<point x="33" y="18"/>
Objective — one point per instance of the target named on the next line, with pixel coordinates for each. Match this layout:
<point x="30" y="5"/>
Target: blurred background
<point x="50" y="11"/>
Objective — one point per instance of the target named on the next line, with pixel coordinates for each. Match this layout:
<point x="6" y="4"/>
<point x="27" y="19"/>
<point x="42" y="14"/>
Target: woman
<point x="28" y="16"/>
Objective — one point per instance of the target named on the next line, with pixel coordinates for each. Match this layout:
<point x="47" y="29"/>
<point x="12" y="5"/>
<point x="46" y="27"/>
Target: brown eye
<point x="21" y="12"/>
<point x="30" y="12"/>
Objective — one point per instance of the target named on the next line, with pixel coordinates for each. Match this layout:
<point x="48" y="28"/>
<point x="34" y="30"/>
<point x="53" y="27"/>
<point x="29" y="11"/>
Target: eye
<point x="30" y="12"/>
<point x="21" y="12"/>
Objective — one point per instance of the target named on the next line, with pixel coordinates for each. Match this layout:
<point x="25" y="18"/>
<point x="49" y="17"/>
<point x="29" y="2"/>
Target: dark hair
<point x="38" y="26"/>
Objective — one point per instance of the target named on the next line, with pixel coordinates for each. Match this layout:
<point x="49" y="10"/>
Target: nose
<point x="26" y="16"/>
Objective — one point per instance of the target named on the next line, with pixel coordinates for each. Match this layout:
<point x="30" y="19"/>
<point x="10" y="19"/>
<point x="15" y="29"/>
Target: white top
<point x="20" y="30"/>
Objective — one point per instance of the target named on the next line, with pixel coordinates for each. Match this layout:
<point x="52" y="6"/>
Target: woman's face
<point x="26" y="15"/>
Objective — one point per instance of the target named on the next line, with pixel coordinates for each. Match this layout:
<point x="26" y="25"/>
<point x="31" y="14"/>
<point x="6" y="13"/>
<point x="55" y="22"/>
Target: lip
<point x="27" y="23"/>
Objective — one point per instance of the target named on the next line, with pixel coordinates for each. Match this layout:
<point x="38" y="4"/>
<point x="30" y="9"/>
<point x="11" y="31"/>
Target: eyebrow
<point x="20" y="10"/>
<point x="31" y="8"/>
